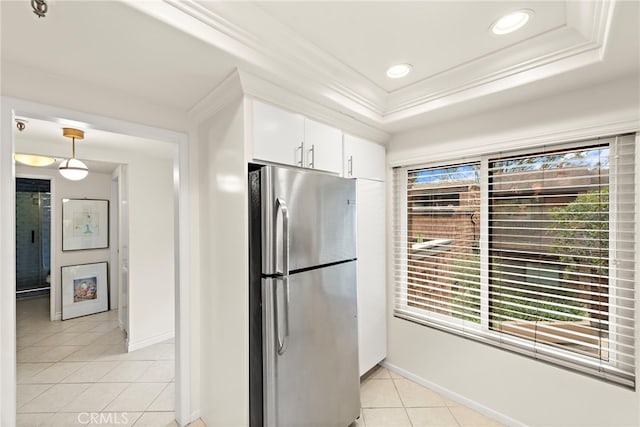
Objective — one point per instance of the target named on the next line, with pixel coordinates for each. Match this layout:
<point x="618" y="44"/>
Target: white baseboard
<point x="194" y="416"/>
<point x="57" y="316"/>
<point x="137" y="345"/>
<point x="500" y="417"/>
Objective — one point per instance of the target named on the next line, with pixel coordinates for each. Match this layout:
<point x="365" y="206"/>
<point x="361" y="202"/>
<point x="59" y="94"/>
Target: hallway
<point x="71" y="371"/>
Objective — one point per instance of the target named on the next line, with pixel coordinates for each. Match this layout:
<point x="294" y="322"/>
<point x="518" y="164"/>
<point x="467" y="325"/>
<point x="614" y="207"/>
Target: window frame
<point x="482" y="331"/>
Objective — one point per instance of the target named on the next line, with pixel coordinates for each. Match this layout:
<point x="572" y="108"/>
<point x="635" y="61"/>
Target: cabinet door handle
<point x="301" y="148"/>
<point x="312" y="151"/>
<point x="350" y="163"/>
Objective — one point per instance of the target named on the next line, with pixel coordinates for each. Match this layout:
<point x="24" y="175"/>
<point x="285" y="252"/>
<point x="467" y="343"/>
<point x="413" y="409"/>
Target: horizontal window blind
<point x="533" y="252"/>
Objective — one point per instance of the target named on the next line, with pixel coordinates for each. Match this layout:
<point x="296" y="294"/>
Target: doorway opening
<point x="177" y="393"/>
<point x="33" y="237"/>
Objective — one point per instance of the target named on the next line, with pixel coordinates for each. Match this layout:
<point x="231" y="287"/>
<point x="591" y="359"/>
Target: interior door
<point x="313" y="380"/>
<point x="114" y="237"/>
<point x="123" y="248"/>
<point x="33" y="237"/>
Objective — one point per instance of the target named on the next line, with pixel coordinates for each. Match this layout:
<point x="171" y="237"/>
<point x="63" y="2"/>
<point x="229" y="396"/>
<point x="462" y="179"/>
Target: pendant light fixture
<point x="72" y="168"/>
<point x="33" y="160"/>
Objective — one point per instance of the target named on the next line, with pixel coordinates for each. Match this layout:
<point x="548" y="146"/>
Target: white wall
<point x="519" y="388"/>
<point x="224" y="251"/>
<point x="94" y="186"/>
<point x="20" y="82"/>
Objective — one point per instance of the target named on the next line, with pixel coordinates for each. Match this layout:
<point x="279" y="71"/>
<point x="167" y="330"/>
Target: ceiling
<point x="44" y="137"/>
<point x="108" y="44"/>
<point x="333" y="53"/>
<point x="370" y="37"/>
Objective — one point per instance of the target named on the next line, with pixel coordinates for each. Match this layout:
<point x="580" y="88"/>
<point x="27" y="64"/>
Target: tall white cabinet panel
<point x="363" y="159"/>
<point x="372" y="335"/>
<point x="323" y="146"/>
<point x="278" y="135"/>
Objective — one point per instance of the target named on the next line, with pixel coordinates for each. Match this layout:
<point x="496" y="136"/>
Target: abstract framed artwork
<point x="85" y="289"/>
<point x="85" y="224"/>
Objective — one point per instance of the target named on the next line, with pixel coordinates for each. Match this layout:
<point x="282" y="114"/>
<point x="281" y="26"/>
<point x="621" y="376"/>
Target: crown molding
<point x="264" y="90"/>
<point x="282" y="55"/>
<point x="228" y="91"/>
<point x="564" y="49"/>
<point x="241" y="83"/>
<point x="591" y="19"/>
<point x="266" y="47"/>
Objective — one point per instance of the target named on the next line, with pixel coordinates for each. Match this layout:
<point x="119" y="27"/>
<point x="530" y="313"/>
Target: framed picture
<point x="85" y="289"/>
<point x="85" y="224"/>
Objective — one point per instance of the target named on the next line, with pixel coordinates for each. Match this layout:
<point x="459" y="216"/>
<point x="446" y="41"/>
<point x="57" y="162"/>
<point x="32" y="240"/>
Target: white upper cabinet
<point x="323" y="146"/>
<point x="278" y="135"/>
<point x="363" y="159"/>
<point x="281" y="136"/>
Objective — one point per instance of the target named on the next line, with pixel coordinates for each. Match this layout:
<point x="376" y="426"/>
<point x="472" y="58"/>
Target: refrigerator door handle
<point x="282" y="343"/>
<point x="282" y="207"/>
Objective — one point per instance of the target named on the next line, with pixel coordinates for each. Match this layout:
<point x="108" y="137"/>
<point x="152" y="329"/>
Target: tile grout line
<point x="454" y="417"/>
<point x="35" y="397"/>
<point x="401" y="400"/>
<point x="98" y="331"/>
<point x="456" y="421"/>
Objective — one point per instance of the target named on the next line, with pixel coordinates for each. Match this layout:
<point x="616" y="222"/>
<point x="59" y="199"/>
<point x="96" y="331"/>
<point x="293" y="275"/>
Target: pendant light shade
<point x="73" y="169"/>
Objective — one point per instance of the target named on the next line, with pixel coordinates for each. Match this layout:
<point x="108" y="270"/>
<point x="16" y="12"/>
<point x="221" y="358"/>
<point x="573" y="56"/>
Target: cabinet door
<point x="277" y="135"/>
<point x="323" y="146"/>
<point x="363" y="159"/>
<point x="372" y="295"/>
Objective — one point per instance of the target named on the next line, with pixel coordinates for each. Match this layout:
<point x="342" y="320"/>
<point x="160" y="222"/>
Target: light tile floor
<point x="68" y="372"/>
<point x="79" y="366"/>
<point x="390" y="400"/>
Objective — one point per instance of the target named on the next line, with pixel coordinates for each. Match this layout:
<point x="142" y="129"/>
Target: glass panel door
<point x="33" y="237"/>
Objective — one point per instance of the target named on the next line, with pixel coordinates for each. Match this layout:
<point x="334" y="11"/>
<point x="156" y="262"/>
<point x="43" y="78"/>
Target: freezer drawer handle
<point x="282" y="343"/>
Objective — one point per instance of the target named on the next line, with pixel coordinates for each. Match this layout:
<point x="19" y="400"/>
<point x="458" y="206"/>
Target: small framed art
<point x="85" y="289"/>
<point x="85" y="224"/>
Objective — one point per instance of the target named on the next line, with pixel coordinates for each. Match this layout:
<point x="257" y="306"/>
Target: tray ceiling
<point x="435" y="37"/>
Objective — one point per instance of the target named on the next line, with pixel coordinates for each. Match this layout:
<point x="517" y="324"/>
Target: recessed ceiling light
<point x="398" y="71"/>
<point x="32" y="160"/>
<point x="511" y="22"/>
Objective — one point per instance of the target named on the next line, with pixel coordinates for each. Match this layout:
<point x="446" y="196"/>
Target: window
<point x="532" y="252"/>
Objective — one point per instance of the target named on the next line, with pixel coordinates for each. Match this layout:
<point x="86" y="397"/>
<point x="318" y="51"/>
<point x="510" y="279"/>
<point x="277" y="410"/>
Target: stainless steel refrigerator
<point x="302" y="299"/>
